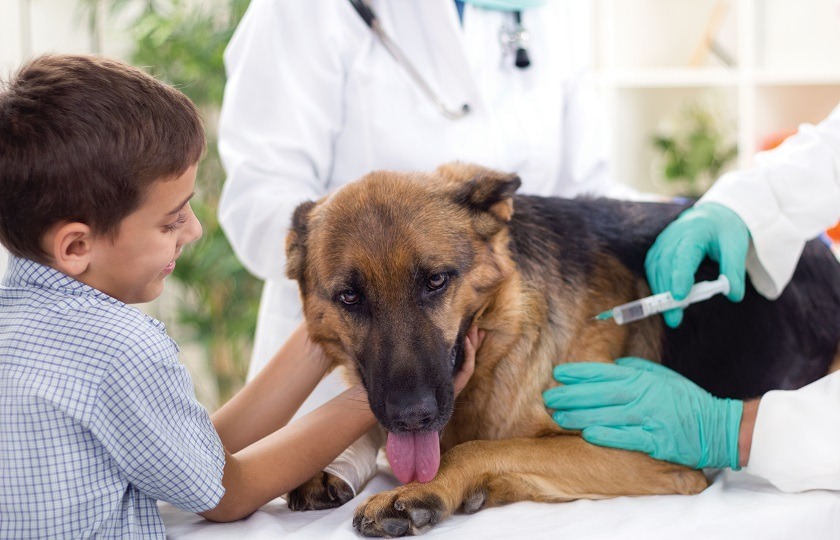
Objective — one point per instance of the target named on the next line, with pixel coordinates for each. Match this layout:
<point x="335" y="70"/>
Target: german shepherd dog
<point x="395" y="268"/>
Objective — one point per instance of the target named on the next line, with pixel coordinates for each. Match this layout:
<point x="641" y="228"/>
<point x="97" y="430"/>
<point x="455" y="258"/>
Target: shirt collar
<point x="28" y="273"/>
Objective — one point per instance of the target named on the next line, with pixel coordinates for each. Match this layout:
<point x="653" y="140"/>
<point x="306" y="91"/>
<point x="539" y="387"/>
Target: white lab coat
<point x="313" y="101"/>
<point x="791" y="195"/>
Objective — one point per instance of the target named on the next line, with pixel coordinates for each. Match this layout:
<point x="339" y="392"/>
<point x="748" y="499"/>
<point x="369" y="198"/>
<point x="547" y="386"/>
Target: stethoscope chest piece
<point x="514" y="40"/>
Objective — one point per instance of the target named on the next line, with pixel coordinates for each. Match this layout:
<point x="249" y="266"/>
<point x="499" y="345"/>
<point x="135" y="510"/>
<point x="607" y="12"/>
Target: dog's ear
<point x="296" y="242"/>
<point x="481" y="189"/>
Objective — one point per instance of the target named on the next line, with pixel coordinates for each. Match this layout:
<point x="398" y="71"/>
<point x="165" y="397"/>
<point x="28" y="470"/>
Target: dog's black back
<point x="733" y="350"/>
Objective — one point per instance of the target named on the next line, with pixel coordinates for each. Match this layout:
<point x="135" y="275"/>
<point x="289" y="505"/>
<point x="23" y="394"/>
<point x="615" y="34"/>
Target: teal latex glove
<point x="707" y="230"/>
<point x="642" y="406"/>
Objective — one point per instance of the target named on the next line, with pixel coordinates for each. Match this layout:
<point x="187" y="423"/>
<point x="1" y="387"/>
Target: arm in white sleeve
<point x="585" y="162"/>
<point x="788" y="198"/>
<point x="585" y="167"/>
<point x="281" y="108"/>
<point x="796" y="441"/>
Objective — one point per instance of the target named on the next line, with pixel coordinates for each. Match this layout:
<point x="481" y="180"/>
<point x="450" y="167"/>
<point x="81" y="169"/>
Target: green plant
<point x="695" y="153"/>
<point x="182" y="43"/>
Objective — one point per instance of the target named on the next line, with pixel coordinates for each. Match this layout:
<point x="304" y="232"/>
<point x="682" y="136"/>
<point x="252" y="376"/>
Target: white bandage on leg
<point x="357" y="464"/>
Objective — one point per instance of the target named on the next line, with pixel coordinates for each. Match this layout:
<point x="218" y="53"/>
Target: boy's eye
<point x="182" y="218"/>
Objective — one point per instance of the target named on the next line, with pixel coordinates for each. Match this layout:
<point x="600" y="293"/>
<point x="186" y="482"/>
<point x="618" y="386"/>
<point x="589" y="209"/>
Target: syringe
<point x="651" y="305"/>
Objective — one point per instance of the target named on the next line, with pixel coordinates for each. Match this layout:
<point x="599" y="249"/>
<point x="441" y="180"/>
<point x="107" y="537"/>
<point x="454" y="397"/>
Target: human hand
<point x="709" y="230"/>
<point x="299" y="347"/>
<point x="638" y="405"/>
<point x="472" y="341"/>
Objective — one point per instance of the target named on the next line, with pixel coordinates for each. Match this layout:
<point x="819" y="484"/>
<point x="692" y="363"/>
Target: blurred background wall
<point x="692" y="88"/>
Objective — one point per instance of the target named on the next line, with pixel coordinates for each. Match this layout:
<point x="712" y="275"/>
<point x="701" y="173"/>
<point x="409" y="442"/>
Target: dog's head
<point x="392" y="270"/>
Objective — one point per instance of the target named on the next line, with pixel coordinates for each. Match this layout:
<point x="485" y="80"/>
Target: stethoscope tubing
<point x="367" y="14"/>
<point x="397" y="54"/>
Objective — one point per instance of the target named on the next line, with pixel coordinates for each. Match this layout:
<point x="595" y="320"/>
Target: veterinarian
<point x="314" y="100"/>
<point x="754" y="221"/>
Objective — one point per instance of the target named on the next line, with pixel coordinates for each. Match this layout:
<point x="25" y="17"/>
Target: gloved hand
<point x="643" y="406"/>
<point x="709" y="230"/>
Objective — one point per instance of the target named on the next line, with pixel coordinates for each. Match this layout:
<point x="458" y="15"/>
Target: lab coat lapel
<point x="451" y="71"/>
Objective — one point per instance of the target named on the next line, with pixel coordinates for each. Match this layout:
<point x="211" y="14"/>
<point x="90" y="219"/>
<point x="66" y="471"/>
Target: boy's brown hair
<point x="81" y="139"/>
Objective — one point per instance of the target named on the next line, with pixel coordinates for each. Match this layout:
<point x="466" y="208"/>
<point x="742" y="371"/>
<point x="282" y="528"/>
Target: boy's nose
<point x="193" y="230"/>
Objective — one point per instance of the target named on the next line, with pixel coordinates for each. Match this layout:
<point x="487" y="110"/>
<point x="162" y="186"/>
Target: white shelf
<point x="785" y="70"/>
<point x="711" y="77"/>
<point x="797" y="79"/>
<point x="669" y="78"/>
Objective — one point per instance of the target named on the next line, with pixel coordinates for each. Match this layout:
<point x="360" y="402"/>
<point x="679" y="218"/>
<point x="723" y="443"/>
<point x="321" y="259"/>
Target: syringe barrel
<point x="627" y="313"/>
<point x="645" y="307"/>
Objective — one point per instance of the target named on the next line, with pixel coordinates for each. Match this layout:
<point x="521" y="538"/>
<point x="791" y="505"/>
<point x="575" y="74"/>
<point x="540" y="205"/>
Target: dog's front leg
<point x="477" y="474"/>
<point x="343" y="478"/>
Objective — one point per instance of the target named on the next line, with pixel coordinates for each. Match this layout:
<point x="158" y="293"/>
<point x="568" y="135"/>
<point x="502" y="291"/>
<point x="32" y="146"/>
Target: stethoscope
<point x="512" y="39"/>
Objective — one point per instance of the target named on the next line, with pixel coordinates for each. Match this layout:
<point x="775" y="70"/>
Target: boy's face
<point x="132" y="266"/>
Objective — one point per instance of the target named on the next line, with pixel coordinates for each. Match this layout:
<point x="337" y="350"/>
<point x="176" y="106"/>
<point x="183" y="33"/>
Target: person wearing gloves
<point x="755" y="222"/>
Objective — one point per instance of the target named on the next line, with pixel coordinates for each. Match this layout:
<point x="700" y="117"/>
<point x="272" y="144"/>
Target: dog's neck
<point x="514" y="317"/>
<point x="532" y="327"/>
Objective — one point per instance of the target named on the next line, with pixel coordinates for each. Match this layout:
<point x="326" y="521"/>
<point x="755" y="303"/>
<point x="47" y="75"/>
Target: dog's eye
<point x="350" y="297"/>
<point x="437" y="281"/>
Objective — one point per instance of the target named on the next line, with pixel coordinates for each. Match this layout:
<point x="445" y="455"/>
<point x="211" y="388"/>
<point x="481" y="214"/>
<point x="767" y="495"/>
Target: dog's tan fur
<point x="500" y="445"/>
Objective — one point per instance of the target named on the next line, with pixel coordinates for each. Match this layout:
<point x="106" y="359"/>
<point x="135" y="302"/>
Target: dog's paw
<point x="320" y="492"/>
<point x="406" y="510"/>
<point x="671" y="478"/>
<point x="690" y="482"/>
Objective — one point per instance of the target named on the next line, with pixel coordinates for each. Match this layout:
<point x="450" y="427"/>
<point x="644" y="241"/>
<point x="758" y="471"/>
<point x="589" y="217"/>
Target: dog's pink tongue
<point x="414" y="455"/>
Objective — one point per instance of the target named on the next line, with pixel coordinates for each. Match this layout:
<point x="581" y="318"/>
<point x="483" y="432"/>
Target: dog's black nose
<point x="412" y="411"/>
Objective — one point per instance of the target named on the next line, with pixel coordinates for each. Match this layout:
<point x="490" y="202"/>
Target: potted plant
<point x="693" y="150"/>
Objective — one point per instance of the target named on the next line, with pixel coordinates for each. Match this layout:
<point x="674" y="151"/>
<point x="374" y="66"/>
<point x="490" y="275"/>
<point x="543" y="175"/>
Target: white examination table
<point x="735" y="506"/>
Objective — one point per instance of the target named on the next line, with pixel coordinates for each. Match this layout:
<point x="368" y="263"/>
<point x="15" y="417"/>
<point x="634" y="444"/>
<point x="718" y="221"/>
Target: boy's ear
<point x="69" y="245"/>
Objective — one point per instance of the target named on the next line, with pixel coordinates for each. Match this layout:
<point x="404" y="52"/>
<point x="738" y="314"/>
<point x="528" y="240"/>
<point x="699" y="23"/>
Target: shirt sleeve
<point x="159" y="436"/>
<point x="796" y="441"/>
<point x="584" y="169"/>
<point x="283" y="105"/>
<point x="788" y="198"/>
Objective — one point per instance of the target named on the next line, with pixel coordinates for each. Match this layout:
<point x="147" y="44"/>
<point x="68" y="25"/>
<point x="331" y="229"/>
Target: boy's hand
<point x="314" y="356"/>
<point x="472" y="341"/>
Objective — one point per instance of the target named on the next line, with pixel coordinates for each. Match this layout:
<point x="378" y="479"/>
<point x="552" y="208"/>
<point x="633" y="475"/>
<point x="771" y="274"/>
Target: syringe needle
<point x="603" y="316"/>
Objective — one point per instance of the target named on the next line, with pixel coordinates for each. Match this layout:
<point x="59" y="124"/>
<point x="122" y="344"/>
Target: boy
<point x="98" y="420"/>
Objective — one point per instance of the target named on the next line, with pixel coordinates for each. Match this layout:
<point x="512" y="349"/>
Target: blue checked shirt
<point x="98" y="419"/>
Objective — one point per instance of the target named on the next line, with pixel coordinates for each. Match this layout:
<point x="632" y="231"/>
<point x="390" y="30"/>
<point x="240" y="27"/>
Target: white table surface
<point x="735" y="506"/>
